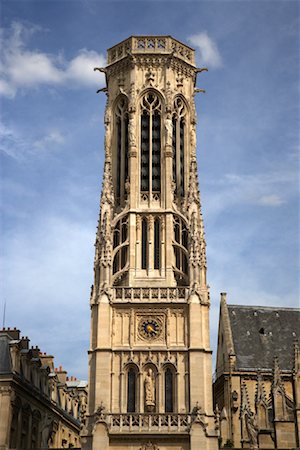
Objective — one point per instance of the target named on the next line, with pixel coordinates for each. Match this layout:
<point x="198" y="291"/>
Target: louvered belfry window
<point x="178" y="144"/>
<point x="121" y="123"/>
<point x="150" y="143"/>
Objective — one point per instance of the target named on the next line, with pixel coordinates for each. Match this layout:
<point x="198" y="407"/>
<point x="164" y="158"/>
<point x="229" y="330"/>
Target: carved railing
<point x="157" y="294"/>
<point x="151" y="44"/>
<point x="147" y="423"/>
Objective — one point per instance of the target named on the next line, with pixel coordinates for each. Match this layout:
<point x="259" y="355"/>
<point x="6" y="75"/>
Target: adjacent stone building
<point x="39" y="406"/>
<point x="257" y="380"/>
<point x="150" y="378"/>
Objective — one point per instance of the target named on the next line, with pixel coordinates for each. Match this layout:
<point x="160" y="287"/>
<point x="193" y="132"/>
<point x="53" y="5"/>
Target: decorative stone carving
<point x="100" y="413"/>
<point x="149" y="446"/>
<point x="149" y="391"/>
<point x="131" y="131"/>
<point x="132" y="98"/>
<point x="248" y="418"/>
<point x="49" y="430"/>
<point x="252" y="429"/>
<point x="168" y="129"/>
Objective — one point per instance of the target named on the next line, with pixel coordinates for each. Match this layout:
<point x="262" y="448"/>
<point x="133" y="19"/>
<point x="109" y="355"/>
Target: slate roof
<point x="260" y="333"/>
<point x="5" y="360"/>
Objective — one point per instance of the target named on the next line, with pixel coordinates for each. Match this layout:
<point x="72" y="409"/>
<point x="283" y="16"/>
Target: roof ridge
<point x="264" y="307"/>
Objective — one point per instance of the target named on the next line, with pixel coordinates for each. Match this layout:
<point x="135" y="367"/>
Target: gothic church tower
<point x="150" y="382"/>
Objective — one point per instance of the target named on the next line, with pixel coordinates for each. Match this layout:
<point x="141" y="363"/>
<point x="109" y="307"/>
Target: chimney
<point x="13" y="333"/>
<point x="25" y="342"/>
<point x="62" y="375"/>
<point x="47" y="360"/>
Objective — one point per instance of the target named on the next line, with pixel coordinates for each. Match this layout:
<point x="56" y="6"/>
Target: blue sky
<point x="52" y="153"/>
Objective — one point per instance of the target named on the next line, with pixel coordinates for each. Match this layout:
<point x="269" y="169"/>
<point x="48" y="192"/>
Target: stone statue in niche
<point x="168" y="129"/>
<point x="252" y="429"/>
<point x="131" y="131"/>
<point x="149" y="391"/>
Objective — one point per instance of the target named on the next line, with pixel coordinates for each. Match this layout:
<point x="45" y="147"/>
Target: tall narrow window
<point x="156" y="152"/>
<point x="120" y="244"/>
<point x="150" y="144"/>
<point x="131" y="390"/>
<point x="144" y="243"/>
<point x="169" y="405"/>
<point x="178" y="143"/>
<point x="180" y="244"/>
<point x="121" y="124"/>
<point x="145" y="152"/>
<point x="157" y="244"/>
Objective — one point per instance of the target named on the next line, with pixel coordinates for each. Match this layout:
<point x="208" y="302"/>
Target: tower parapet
<point x="163" y="45"/>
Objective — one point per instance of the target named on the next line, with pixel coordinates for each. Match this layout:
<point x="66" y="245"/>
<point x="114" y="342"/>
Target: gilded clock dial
<point x="150" y="328"/>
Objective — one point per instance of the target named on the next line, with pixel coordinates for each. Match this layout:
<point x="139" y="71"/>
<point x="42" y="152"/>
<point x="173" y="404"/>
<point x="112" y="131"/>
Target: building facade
<point x="39" y="406"/>
<point x="257" y="385"/>
<point x="150" y="380"/>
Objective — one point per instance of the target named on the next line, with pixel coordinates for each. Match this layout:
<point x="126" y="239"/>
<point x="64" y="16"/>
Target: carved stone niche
<point x="149" y="446"/>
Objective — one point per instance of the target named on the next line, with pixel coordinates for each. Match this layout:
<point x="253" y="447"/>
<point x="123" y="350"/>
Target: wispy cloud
<point x="271" y="189"/>
<point x="15" y="145"/>
<point x="54" y="137"/>
<point x="208" y="49"/>
<point x="11" y="143"/>
<point x="271" y="200"/>
<point x="24" y="68"/>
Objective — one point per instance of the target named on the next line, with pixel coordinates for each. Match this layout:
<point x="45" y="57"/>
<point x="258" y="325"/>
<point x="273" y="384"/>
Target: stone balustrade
<point x="149" y="423"/>
<point x="153" y="295"/>
<point x="149" y="45"/>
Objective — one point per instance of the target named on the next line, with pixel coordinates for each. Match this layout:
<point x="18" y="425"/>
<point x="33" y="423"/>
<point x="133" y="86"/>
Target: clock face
<point x="150" y="328"/>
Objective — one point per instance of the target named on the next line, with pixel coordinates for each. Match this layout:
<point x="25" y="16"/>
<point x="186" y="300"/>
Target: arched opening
<point x="180" y="244"/>
<point x="150" y="144"/>
<point x="131" y="390"/>
<point x="121" y="148"/>
<point x="178" y="145"/>
<point x="120" y="245"/>
<point x="157" y="249"/>
<point x="144" y="243"/>
<point x="169" y="389"/>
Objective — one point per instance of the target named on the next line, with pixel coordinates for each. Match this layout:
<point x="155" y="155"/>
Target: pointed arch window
<point x="178" y="144"/>
<point x="151" y="144"/>
<point x="180" y="244"/>
<point x="157" y="249"/>
<point x="120" y="245"/>
<point x="131" y="390"/>
<point x="144" y="243"/>
<point x="121" y="154"/>
<point x="169" y="390"/>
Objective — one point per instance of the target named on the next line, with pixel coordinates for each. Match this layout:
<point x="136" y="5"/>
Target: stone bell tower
<point x="150" y="382"/>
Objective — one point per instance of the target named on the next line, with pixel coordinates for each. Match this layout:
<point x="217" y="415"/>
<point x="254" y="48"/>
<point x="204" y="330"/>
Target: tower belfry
<point x="150" y="382"/>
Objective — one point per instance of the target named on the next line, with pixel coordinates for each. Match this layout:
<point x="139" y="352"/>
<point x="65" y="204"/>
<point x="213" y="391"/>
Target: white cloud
<point x="13" y="143"/>
<point x="271" y="200"/>
<point x="21" y="67"/>
<point x="54" y="137"/>
<point x="209" y="53"/>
